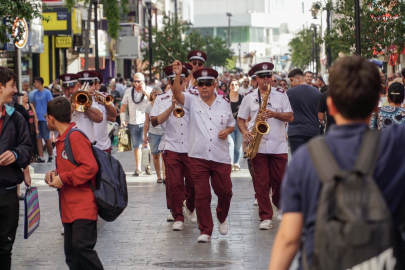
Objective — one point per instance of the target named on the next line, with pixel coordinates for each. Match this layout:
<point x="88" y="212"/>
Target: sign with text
<point x="62" y="16"/>
<point x="83" y="50"/>
<point x="64" y="42"/>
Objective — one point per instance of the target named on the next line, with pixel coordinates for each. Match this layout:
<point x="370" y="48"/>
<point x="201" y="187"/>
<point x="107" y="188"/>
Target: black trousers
<point x="80" y="239"/>
<point x="9" y="214"/>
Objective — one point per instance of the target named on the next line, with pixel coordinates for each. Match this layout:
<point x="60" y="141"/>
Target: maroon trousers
<point x="268" y="172"/>
<point x="178" y="169"/>
<point x="220" y="173"/>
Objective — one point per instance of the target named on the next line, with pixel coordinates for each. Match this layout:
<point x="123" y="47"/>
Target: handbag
<point x="32" y="213"/>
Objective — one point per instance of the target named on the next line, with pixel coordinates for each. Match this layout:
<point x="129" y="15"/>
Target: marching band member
<point x="175" y="146"/>
<point x="211" y="121"/>
<point x="196" y="60"/>
<point x="69" y="84"/>
<point x="272" y="156"/>
<point x="95" y="79"/>
<point x="85" y="120"/>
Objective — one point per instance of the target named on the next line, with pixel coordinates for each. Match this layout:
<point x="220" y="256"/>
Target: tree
<point x="381" y="24"/>
<point x="12" y="9"/>
<point x="301" y="48"/>
<point x="170" y="36"/>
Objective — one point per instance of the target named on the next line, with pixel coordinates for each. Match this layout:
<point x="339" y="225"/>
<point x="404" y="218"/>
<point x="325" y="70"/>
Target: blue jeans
<point x="296" y="141"/>
<point x="235" y="140"/>
<point x="154" y="141"/>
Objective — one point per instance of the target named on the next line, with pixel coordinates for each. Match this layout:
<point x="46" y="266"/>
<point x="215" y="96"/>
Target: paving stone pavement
<point x="141" y="236"/>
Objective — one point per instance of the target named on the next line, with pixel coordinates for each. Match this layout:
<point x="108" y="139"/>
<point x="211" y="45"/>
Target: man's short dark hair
<point x="59" y="108"/>
<point x="131" y="80"/>
<point x="103" y="89"/>
<point x="118" y="75"/>
<point x="120" y="80"/>
<point x="6" y="75"/>
<point x="39" y="79"/>
<point x="354" y="86"/>
<point x="306" y="72"/>
<point x="295" y="72"/>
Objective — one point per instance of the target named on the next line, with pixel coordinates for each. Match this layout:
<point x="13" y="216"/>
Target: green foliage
<point x="111" y="13"/>
<point x="170" y="36"/>
<point x="301" y="47"/>
<point x="381" y="24"/>
<point x="12" y="9"/>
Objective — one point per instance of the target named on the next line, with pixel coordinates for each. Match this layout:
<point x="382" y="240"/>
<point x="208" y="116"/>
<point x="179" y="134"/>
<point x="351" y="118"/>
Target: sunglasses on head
<point x="196" y="63"/>
<point x="263" y="75"/>
<point x="208" y="84"/>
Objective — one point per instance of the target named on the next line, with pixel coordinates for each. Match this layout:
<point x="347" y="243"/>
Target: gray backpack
<point x="353" y="222"/>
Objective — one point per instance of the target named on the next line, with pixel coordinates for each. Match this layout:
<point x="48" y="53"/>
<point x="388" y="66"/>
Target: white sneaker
<point x="236" y="167"/>
<point x="255" y="203"/>
<point x="233" y="167"/>
<point x="178" y="226"/>
<point x="191" y="216"/>
<point x="278" y="214"/>
<point x="222" y="227"/>
<point x="204" y="238"/>
<point x="170" y="217"/>
<point x="62" y="231"/>
<point x="265" y="225"/>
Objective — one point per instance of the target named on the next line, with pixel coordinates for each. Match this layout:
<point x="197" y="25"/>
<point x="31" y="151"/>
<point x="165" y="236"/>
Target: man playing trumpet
<point x="175" y="125"/>
<point x="271" y="158"/>
<point x="211" y="121"/>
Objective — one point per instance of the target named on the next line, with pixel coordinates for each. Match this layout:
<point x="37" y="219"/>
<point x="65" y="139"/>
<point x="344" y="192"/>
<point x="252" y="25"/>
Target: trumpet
<point x="81" y="99"/>
<point x="102" y="98"/>
<point x="178" y="111"/>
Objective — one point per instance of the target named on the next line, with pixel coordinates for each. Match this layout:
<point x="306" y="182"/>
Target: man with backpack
<point x="78" y="204"/>
<point x="345" y="190"/>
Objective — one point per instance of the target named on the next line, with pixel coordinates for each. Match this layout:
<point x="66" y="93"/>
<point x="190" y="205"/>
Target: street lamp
<point x="229" y="28"/>
<point x="239" y="47"/>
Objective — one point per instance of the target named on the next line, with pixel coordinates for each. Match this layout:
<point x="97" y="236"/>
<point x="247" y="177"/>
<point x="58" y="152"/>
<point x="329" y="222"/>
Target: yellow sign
<point x="64" y="42"/>
<point x="21" y="43"/>
<point x="57" y="21"/>
<point x="77" y="22"/>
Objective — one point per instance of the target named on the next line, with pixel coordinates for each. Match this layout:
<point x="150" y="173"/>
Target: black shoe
<point x="148" y="171"/>
<point x="137" y="173"/>
<point x="39" y="160"/>
<point x="50" y="160"/>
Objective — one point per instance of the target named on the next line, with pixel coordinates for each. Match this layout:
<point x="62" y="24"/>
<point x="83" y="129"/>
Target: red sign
<point x="92" y="63"/>
<point x="393" y="59"/>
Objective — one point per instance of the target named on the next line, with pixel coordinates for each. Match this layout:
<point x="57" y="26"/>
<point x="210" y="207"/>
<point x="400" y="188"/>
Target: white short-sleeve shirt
<point x="136" y="110"/>
<point x="205" y="124"/>
<point x="101" y="131"/>
<point x="275" y="141"/>
<point x="84" y="123"/>
<point x="176" y="130"/>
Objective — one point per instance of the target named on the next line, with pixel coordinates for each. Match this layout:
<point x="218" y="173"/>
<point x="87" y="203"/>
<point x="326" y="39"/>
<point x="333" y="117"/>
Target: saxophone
<point x="260" y="128"/>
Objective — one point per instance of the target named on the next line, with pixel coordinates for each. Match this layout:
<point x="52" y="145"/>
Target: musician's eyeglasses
<point x="196" y="63"/>
<point x="264" y="75"/>
<point x="208" y="84"/>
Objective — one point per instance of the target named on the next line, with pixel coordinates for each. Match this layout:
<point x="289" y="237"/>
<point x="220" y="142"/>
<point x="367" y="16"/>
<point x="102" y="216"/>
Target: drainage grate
<point x="191" y="264"/>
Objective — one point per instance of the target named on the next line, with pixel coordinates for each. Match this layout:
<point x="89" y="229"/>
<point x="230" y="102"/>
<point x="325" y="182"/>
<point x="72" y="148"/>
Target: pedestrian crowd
<point x="339" y="203"/>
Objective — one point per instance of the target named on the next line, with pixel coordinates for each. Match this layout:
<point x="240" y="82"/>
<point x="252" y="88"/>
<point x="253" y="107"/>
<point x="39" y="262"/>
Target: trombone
<point x="81" y="99"/>
<point x="104" y="99"/>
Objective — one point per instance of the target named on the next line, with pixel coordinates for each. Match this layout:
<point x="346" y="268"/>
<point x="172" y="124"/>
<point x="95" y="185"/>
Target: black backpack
<point x="353" y="223"/>
<point x="111" y="185"/>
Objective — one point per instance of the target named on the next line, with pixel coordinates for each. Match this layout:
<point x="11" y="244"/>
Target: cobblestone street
<point x="141" y="238"/>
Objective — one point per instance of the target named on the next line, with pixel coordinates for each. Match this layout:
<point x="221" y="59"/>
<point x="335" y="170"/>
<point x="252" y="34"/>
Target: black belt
<point x="4" y="191"/>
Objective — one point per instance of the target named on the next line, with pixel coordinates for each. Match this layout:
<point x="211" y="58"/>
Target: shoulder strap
<point x="324" y="162"/>
<point x="68" y="147"/>
<point x="368" y="154"/>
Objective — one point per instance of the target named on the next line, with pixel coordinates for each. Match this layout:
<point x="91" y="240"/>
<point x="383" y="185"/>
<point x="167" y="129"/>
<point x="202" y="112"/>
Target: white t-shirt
<point x="205" y="124"/>
<point x="154" y="130"/>
<point x="101" y="131"/>
<point x="136" y="110"/>
<point x="84" y="123"/>
<point x="273" y="142"/>
<point x="244" y="91"/>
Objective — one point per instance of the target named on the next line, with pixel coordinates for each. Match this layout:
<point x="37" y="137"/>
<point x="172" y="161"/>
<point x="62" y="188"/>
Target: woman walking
<point x="235" y="139"/>
<point x="153" y="135"/>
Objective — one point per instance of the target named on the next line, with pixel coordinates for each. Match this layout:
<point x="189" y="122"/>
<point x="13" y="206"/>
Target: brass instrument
<point x="103" y="99"/>
<point x="178" y="111"/>
<point x="81" y="99"/>
<point x="260" y="128"/>
<point x="124" y="140"/>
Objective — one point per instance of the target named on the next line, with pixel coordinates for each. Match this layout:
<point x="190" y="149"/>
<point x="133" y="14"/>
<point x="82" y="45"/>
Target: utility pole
<point x="357" y="25"/>
<point x="175" y="9"/>
<point x="316" y="52"/>
<point x="96" y="60"/>
<point x="328" y="50"/>
<point x="149" y="7"/>
<point x="229" y="28"/>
